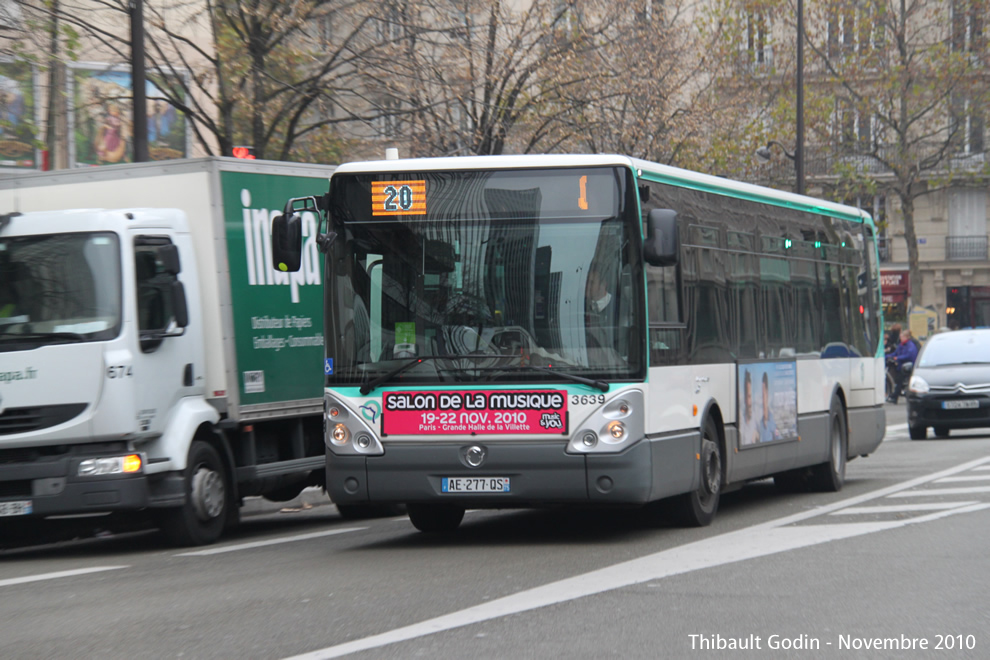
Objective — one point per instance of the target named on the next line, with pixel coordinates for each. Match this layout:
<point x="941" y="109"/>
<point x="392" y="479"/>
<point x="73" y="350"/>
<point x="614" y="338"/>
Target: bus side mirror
<point x="660" y="246"/>
<point x="287" y="242"/>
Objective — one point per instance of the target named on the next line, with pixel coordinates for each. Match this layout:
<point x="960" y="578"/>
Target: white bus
<point x="522" y="331"/>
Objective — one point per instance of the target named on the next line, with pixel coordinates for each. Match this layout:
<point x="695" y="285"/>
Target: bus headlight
<point x="340" y="435"/>
<point x="612" y="427"/>
<point x="347" y="433"/>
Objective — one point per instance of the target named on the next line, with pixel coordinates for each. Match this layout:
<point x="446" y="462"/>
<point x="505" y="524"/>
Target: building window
<point x="967" y="26"/>
<point x="967" y="125"/>
<point x="857" y="131"/>
<point x="967" y="238"/>
<point x="855" y="26"/>
<point x="757" y="48"/>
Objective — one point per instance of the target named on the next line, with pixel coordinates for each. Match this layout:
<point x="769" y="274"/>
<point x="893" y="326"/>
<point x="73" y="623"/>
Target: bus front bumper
<point x="539" y="473"/>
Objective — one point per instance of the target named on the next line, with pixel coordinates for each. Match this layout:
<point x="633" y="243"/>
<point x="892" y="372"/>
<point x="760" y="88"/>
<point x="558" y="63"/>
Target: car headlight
<point x="917" y="385"/>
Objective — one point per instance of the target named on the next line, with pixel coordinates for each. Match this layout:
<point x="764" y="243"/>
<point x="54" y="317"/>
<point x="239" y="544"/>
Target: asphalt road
<point x="898" y="558"/>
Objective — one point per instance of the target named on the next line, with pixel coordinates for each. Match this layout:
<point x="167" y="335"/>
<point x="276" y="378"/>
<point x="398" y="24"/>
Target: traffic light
<point x="246" y="153"/>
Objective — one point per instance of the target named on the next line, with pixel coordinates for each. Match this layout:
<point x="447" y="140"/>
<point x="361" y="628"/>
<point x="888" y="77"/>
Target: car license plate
<point x="475" y="484"/>
<point x="956" y="405"/>
<point x="19" y="508"/>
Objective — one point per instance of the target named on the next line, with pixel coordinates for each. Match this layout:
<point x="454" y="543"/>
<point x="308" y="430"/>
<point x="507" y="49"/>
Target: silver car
<point x="949" y="387"/>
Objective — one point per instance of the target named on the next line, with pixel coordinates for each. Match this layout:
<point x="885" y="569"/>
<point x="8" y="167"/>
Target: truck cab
<point x="98" y="353"/>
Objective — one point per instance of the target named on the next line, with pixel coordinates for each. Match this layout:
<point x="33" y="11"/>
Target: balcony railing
<point x="965" y="248"/>
<point x="829" y="161"/>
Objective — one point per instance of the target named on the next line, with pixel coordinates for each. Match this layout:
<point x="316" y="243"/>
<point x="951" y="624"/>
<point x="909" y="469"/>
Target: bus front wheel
<point x="698" y="508"/>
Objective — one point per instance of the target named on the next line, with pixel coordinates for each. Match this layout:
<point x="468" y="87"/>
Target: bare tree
<point x="653" y="97"/>
<point x="907" y="80"/>
<point x="486" y="76"/>
<point x="265" y="73"/>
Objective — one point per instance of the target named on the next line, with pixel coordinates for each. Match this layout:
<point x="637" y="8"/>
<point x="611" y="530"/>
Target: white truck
<point x="151" y="359"/>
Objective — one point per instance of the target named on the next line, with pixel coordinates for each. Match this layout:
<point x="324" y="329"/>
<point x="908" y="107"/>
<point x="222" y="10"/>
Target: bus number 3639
<point x="587" y="399"/>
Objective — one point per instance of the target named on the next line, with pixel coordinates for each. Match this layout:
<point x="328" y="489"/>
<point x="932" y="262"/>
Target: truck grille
<point x="23" y="420"/>
<point x="15" y="489"/>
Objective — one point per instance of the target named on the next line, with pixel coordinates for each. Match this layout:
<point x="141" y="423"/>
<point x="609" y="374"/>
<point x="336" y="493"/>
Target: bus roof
<point x="643" y="168"/>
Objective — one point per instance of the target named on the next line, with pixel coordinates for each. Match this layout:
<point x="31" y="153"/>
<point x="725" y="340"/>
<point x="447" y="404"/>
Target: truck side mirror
<point x="168" y="255"/>
<point x="287" y="242"/>
<point x="660" y="246"/>
<point x="179" y="307"/>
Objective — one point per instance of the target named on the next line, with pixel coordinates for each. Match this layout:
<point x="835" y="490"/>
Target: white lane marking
<point x="897" y="428"/>
<point x="965" y="477"/>
<point x="59" y="574"/>
<point x="925" y="492"/>
<point x="901" y="508"/>
<point x="982" y="467"/>
<point x="767" y="538"/>
<point x="261" y="544"/>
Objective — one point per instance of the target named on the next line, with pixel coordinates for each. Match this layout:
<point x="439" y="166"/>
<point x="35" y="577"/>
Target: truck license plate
<point x="475" y="484"/>
<point x="19" y="508"/>
<point x="957" y="405"/>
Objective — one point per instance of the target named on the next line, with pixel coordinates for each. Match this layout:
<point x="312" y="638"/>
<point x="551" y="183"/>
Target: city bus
<point x="543" y="330"/>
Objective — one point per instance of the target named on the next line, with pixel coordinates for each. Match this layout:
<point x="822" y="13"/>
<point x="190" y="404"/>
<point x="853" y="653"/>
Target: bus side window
<point x="661" y="294"/>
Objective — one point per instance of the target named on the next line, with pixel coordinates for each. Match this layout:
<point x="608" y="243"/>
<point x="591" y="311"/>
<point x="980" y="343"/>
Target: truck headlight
<point x="94" y="467"/>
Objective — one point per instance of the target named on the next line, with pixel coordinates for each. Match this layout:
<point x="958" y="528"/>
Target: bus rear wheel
<point x="830" y="476"/>
<point x="433" y="518"/>
<point x="698" y="508"/>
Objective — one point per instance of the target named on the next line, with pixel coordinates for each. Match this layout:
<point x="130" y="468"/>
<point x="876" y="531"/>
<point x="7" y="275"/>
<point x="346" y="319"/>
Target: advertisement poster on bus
<point x="767" y="402"/>
<point x="475" y="412"/>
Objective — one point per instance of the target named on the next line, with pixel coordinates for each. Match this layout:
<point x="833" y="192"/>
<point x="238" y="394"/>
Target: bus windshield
<point x="503" y="276"/>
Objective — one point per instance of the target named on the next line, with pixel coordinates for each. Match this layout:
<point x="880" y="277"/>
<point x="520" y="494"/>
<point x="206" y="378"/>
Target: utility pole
<point x="799" y="146"/>
<point x="140" y="100"/>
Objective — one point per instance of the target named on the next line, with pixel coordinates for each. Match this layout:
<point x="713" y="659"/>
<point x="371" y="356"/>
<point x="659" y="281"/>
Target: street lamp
<point x="763" y="153"/>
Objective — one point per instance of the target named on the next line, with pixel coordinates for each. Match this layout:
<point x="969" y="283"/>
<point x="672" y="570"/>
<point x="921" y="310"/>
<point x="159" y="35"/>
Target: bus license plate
<point x="956" y="405"/>
<point x="19" y="508"/>
<point x="475" y="484"/>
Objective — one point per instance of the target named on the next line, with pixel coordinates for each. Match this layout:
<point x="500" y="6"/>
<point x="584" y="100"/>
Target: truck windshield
<point x="499" y="271"/>
<point x="59" y="286"/>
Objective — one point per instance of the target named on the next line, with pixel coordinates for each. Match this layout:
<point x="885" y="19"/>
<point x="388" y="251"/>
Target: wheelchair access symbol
<point x="328" y="366"/>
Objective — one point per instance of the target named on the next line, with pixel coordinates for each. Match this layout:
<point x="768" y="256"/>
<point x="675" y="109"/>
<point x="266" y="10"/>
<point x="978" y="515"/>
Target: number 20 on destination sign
<point x="398" y="197"/>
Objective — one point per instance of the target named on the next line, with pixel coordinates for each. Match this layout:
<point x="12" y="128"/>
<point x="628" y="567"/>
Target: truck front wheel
<point x="200" y="520"/>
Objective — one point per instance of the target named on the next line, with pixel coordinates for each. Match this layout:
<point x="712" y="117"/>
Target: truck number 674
<point x="122" y="371"/>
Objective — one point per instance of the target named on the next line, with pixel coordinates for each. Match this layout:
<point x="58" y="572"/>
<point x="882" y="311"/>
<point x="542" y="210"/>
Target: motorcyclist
<point x="902" y="359"/>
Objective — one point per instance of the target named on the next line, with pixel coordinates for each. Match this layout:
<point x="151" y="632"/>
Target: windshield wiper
<point x="597" y="384"/>
<point x="64" y="336"/>
<point x="373" y="384"/>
